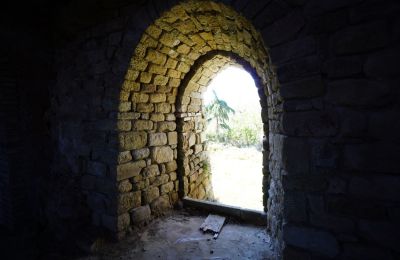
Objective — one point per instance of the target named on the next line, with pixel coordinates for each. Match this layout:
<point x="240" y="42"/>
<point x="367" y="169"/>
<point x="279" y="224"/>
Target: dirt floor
<point x="177" y="236"/>
<point x="237" y="175"/>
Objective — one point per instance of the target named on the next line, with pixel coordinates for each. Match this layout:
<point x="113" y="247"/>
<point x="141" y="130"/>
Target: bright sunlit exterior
<point x="234" y="131"/>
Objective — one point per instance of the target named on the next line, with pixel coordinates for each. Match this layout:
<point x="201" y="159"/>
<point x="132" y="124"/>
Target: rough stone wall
<point x="333" y="128"/>
<point x="161" y="104"/>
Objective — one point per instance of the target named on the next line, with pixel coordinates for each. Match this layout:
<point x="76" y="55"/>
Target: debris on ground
<point x="213" y="224"/>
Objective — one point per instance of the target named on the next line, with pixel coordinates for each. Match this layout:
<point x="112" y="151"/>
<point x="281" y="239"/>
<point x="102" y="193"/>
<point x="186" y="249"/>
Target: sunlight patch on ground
<point x="237" y="175"/>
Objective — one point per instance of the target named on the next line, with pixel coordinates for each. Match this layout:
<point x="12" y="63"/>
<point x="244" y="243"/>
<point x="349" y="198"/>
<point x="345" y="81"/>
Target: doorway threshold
<point x="246" y="215"/>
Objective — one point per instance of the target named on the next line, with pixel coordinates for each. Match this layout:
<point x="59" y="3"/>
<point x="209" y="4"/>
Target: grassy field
<point x="236" y="175"/>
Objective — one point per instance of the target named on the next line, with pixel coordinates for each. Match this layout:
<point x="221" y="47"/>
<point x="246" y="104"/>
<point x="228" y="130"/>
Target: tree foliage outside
<point x="242" y="128"/>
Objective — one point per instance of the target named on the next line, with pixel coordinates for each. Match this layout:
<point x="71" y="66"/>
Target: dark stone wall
<point x="336" y="193"/>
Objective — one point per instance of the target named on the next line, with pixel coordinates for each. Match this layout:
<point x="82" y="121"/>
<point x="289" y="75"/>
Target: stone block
<point x="295" y="49"/>
<point x="283" y="29"/>
<point x="157" y="117"/>
<point x="129" y="170"/>
<point x="127" y="201"/>
<point x="383" y="65"/>
<point x="141" y="215"/>
<point x="343" y="66"/>
<point x="124" y="125"/>
<point x="96" y="168"/>
<point x="374" y="157"/>
<point x="160" y="205"/>
<point x="357" y="92"/>
<point x="117" y="223"/>
<point x="140" y="125"/>
<point x="162" y="154"/>
<point x="141" y="153"/>
<point x="385" y="234"/>
<point x="294" y="209"/>
<point x="172" y="138"/>
<point x="167" y="187"/>
<point x="145" y="107"/>
<point x="150" y="194"/>
<point x="132" y="140"/>
<point x="145" y="77"/>
<point x="361" y="38"/>
<point x="171" y="166"/>
<point x="382" y="187"/>
<point x="97" y="202"/>
<point x="140" y="98"/>
<point x="156" y="58"/>
<point x="306" y="88"/>
<point x="157" y="139"/>
<point x="124" y="186"/>
<point x="320" y="242"/>
<point x="163" y="108"/>
<point x="151" y="171"/>
<point x="161" y="179"/>
<point x="313" y="123"/>
<point x="298" y="69"/>
<point x="167" y="126"/>
<point x="124" y="157"/>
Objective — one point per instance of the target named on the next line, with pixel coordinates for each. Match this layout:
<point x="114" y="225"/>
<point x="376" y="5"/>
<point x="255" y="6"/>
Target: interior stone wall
<point x="161" y="104"/>
<point x="333" y="119"/>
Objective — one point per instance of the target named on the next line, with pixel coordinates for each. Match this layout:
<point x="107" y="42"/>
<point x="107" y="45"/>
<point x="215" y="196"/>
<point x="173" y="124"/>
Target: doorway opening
<point x="235" y="132"/>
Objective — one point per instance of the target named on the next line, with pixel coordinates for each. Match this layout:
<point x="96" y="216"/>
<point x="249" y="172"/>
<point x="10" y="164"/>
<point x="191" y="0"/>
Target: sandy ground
<point x="237" y="175"/>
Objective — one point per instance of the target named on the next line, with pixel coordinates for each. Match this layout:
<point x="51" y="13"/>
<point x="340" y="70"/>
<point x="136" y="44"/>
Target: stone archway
<point x="160" y="105"/>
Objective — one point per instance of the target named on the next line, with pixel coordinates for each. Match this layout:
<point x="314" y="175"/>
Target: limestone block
<point x="158" y="98"/>
<point x="163" y="108"/>
<point x="141" y="215"/>
<point x="145" y="107"/>
<point x="159" y="180"/>
<point x="129" y="200"/>
<point x="160" y="205"/>
<point x="157" y="117"/>
<point x="141" y="153"/>
<point x="132" y="140"/>
<point x="145" y="77"/>
<point x="140" y="98"/>
<point x="160" y="80"/>
<point x="156" y="58"/>
<point x="129" y="170"/>
<point x="124" y="186"/>
<point x="140" y="125"/>
<point x="318" y="241"/>
<point x="124" y="125"/>
<point x="172" y="138"/>
<point x="157" y="139"/>
<point x="151" y="171"/>
<point x="162" y="154"/>
<point x="171" y="166"/>
<point x="165" y="188"/>
<point x="166" y="126"/>
<point x="150" y="194"/>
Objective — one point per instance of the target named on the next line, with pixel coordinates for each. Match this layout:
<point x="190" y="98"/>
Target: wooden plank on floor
<point x="213" y="223"/>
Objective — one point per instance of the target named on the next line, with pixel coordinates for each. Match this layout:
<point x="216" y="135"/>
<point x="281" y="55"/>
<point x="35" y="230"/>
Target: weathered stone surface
<point x="384" y="233"/>
<point x="124" y="157"/>
<point x="115" y="224"/>
<point x="171" y="166"/>
<point x="96" y="168"/>
<point x="320" y="242"/>
<point x="162" y="154"/>
<point x="141" y="215"/>
<point x="298" y="69"/>
<point x="290" y="24"/>
<point x="125" y="186"/>
<point x="166" y="126"/>
<point x="168" y="187"/>
<point x="343" y="66"/>
<point x="141" y="125"/>
<point x="295" y="207"/>
<point x="150" y="171"/>
<point x="150" y="194"/>
<point x="310" y="123"/>
<point x="360" y="38"/>
<point x="127" y="201"/>
<point x="129" y="170"/>
<point x="157" y="139"/>
<point x="299" y="48"/>
<point x="141" y="153"/>
<point x="305" y="88"/>
<point x="172" y="138"/>
<point x="160" y="205"/>
<point x="357" y="92"/>
<point x="132" y="140"/>
<point x="383" y="64"/>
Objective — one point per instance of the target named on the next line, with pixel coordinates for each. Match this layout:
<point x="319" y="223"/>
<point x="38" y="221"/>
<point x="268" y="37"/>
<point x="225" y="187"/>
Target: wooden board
<point x="213" y="224"/>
